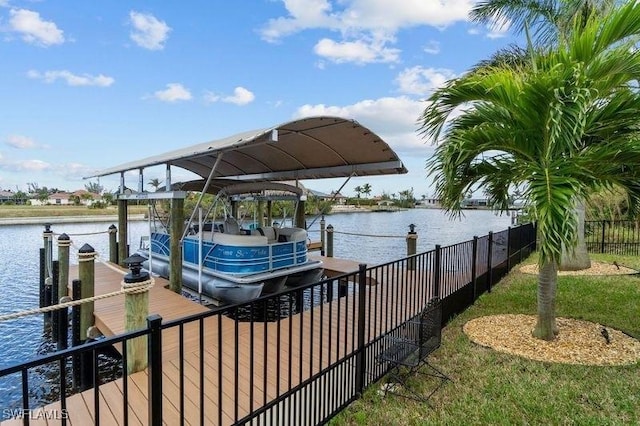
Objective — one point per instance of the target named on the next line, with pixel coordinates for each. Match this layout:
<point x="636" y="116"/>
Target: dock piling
<point x="54" y="296"/>
<point x="64" y="243"/>
<point x="136" y="312"/>
<point x="63" y="325"/>
<point x="75" y="331"/>
<point x="113" y="244"/>
<point x="330" y="241"/>
<point x="86" y="259"/>
<point x="47" y="237"/>
<point x="412" y="244"/>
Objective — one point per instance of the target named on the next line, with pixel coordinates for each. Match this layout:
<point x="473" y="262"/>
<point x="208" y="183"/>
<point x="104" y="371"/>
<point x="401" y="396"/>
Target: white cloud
<point x="148" y="31"/>
<point x="173" y="93"/>
<point x="21" y="142"/>
<point x="365" y="15"/>
<point x="421" y="81"/>
<point x="358" y="51"/>
<point x="498" y="28"/>
<point x="72" y="79"/>
<point x="395" y="119"/>
<point x="24" y="165"/>
<point x="367" y="27"/>
<point x="34" y="29"/>
<point x="241" y="96"/>
<point x="432" y="47"/>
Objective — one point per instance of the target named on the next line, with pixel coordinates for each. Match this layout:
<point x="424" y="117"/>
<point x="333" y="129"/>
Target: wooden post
<point x="47" y="237"/>
<point x="300" y="218"/>
<point x="175" y="261"/>
<point x="123" y="248"/>
<point x="269" y="212"/>
<point x="86" y="259"/>
<point x="113" y="244"/>
<point x="322" y="235"/>
<point x="63" y="325"/>
<point x="412" y="244"/>
<point x="75" y="332"/>
<point x="136" y="306"/>
<point x="260" y="213"/>
<point x="64" y="242"/>
<point x="330" y="241"/>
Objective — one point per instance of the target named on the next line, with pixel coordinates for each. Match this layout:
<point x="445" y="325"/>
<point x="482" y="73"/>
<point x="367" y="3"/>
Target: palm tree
<point x="563" y="124"/>
<point x="552" y="21"/>
<point x="155" y="183"/>
<point x="366" y="189"/>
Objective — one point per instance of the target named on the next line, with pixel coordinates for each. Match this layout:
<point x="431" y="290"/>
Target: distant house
<point x="429" y="203"/>
<point x="6" y="197"/>
<point x="59" y="199"/>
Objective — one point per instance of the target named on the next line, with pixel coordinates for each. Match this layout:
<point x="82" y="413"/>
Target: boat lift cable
<point x="204" y="191"/>
<point x="332" y="199"/>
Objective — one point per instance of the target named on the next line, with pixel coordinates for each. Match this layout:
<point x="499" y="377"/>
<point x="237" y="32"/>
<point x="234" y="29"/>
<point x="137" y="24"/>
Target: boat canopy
<point x="307" y="148"/>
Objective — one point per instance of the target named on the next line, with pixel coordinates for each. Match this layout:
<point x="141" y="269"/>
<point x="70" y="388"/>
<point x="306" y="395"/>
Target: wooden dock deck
<point x="231" y="383"/>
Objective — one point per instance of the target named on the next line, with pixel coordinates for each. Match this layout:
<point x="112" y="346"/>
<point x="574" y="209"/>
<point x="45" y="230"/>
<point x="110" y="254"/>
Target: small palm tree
<point x="155" y="183"/>
<point x="366" y="189"/>
<point x="561" y="125"/>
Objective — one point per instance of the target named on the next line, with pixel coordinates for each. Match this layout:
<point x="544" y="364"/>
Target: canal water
<point x="380" y="238"/>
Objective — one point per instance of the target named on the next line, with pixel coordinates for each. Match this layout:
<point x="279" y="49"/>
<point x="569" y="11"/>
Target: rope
<point x="369" y="235"/>
<point x="125" y="288"/>
<point x="81" y="234"/>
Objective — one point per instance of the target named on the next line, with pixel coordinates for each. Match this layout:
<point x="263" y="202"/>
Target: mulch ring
<point x="597" y="268"/>
<point x="578" y="342"/>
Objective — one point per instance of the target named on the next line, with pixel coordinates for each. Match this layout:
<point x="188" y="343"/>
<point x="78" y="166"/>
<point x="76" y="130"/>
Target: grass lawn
<point x="54" y="211"/>
<point x="492" y="388"/>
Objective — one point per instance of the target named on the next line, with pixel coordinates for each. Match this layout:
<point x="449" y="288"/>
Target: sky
<point x="87" y="85"/>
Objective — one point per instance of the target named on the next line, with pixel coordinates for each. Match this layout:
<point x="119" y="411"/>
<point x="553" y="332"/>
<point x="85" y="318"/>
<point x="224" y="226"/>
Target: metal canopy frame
<point x="307" y="148"/>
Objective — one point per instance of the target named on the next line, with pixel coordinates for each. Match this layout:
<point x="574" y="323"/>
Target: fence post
<point x="322" y="236"/>
<point x="437" y="272"/>
<point x="490" y="262"/>
<point x="474" y="264"/>
<point x="604" y="224"/>
<point x="113" y="244"/>
<point x="330" y="241"/>
<point x="154" y="355"/>
<point x="412" y="244"/>
<point x="136" y="312"/>
<point x="362" y="300"/>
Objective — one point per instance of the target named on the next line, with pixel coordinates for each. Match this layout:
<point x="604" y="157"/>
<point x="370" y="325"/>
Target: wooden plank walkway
<point x="245" y="365"/>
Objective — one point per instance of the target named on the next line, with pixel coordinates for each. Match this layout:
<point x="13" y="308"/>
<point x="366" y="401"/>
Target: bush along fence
<point x="613" y="236"/>
<point x="294" y="358"/>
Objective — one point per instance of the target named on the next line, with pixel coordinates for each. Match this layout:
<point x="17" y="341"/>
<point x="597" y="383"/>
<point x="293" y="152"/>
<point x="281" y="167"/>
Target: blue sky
<point x="86" y="85"/>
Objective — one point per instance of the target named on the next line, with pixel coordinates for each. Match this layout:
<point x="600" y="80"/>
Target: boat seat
<point x="239" y="240"/>
<point x="231" y="226"/>
<point x="291" y="234"/>
<point x="267" y="231"/>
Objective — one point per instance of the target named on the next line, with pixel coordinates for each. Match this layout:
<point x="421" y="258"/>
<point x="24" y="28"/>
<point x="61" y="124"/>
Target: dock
<point x="297" y="341"/>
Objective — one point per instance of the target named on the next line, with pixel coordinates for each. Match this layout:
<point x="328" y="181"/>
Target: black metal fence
<point x="295" y="358"/>
<point x="613" y="236"/>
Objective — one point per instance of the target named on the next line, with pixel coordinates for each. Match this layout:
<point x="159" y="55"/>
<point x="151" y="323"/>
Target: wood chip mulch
<point x="597" y="268"/>
<point x="578" y="342"/>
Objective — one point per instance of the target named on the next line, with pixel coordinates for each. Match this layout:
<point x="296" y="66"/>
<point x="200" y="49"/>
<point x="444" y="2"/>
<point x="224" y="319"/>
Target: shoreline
<point x="41" y="220"/>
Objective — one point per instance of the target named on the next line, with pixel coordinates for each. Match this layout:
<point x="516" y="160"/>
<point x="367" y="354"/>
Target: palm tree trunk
<point x="546" y="327"/>
<point x="578" y="258"/>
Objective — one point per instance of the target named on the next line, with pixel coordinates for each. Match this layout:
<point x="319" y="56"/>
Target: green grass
<point x="55" y="211"/>
<point x="492" y="388"/>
